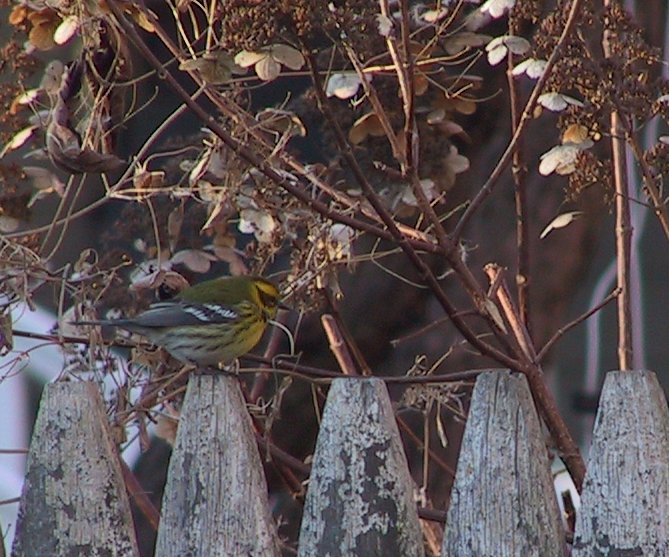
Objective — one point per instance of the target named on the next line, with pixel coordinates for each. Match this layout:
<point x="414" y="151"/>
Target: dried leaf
<point x="174" y="222"/>
<point x="344" y="85"/>
<point x="215" y="67"/>
<point x="195" y="260"/>
<point x="557" y="102"/>
<point x="268" y="69"/>
<point x="340" y="242"/>
<point x="429" y="190"/>
<point x="562" y="158"/>
<point x="259" y="223"/>
<point x="281" y="121"/>
<point x="497" y="8"/>
<point x="498" y="48"/>
<point x="575" y="133"/>
<point x="560" y="221"/>
<point x="464" y="40"/>
<point x="6" y="334"/>
<point x="433" y="16"/>
<point x="531" y="67"/>
<point x="144" y="180"/>
<point x="493" y="311"/>
<point x="66" y="30"/>
<point x="268" y="60"/>
<point x="287" y="56"/>
<point x="236" y="264"/>
<point x="367" y="125"/>
<point x="26" y="98"/>
<point x="441" y="431"/>
<point x="20" y="138"/>
<point x="384" y="24"/>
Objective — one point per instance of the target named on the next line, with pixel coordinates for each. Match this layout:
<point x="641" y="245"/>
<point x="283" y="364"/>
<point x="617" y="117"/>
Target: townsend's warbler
<point x="212" y="322"/>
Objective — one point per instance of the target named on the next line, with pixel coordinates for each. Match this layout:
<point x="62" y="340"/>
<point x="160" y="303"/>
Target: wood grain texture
<point x="503" y="502"/>
<point x="625" y="500"/>
<point x="74" y="501"/>
<point x="215" y="501"/>
<point x="360" y="494"/>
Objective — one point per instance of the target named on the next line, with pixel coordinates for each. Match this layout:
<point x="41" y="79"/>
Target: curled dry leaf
<point x="560" y="221"/>
<point x="366" y="125"/>
<point x="281" y="121"/>
<point x="44" y="24"/>
<point x="63" y="143"/>
<point x="24" y="99"/>
<point x="18" y="140"/>
<point x="146" y="181"/>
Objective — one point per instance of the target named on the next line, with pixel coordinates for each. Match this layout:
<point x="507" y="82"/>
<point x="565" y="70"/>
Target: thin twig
<point x="138" y="496"/>
<point x="338" y="345"/>
<point x="421" y="266"/>
<point x="345" y="332"/>
<point x="289" y="183"/>
<point x="566" y="328"/>
<point x="623" y="230"/>
<point x="543" y="398"/>
<point x="526" y="116"/>
<point x="519" y="172"/>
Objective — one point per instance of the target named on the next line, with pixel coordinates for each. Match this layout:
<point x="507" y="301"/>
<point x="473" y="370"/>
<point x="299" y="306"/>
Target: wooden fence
<point x="360" y="498"/>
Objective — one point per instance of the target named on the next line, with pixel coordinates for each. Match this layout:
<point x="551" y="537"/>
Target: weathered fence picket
<point x="215" y="501"/>
<point x="74" y="500"/>
<point x="503" y="502"/>
<point x="360" y="495"/>
<point x="625" y="500"/>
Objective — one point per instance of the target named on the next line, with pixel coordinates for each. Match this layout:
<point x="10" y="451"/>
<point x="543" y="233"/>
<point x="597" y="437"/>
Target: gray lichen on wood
<point x="74" y="501"/>
<point x="503" y="502"/>
<point x="360" y="494"/>
<point x="215" y="501"/>
<point x="625" y="500"/>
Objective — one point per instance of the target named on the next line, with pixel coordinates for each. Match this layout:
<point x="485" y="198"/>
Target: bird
<point x="211" y="323"/>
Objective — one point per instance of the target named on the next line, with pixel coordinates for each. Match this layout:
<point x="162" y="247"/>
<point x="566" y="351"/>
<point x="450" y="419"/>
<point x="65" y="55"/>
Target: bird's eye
<point x="267" y="299"/>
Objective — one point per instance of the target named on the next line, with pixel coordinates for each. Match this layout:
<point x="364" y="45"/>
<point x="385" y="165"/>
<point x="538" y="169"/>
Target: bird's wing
<point x="171" y="314"/>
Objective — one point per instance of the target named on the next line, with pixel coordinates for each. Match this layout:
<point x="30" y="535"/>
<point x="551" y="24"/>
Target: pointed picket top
<point x="625" y="499"/>
<point x="215" y="500"/>
<point x="360" y="494"/>
<point x="74" y="500"/>
<point x="503" y="501"/>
